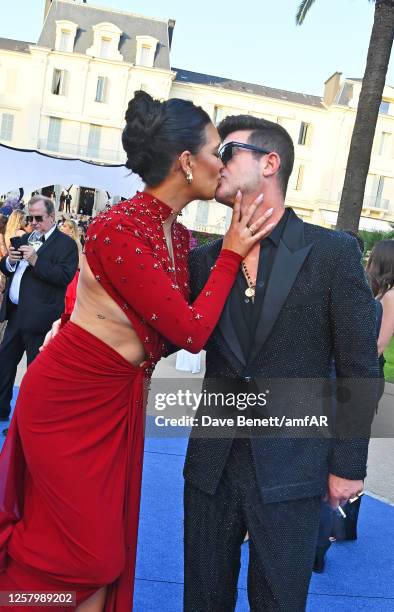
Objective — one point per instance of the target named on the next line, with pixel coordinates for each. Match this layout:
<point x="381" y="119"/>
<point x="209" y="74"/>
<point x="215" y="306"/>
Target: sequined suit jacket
<point x="317" y="305"/>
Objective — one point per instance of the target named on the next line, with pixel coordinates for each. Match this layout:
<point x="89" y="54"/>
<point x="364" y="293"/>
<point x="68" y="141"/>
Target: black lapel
<point x="225" y="324"/>
<point x="291" y="254"/>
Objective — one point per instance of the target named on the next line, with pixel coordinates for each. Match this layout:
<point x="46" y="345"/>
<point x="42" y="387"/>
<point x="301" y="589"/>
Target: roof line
<point x="16" y="40"/>
<point x="246" y="83"/>
<point x="113" y="10"/>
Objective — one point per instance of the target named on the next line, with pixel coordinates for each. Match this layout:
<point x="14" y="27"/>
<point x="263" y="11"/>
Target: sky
<point x="255" y="41"/>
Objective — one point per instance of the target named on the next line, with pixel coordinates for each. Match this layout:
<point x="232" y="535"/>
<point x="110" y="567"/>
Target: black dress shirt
<point x="245" y="312"/>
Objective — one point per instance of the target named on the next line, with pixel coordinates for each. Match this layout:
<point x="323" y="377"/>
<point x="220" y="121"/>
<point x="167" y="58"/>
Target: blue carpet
<point x="359" y="575"/>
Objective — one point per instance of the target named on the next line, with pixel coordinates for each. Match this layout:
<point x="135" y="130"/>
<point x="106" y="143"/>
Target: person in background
<point x="380" y="271"/>
<point x="3" y="253"/>
<point x="37" y="277"/>
<point x="16" y="226"/>
<point x="3" y="225"/>
<point x="70" y="228"/>
<point x="68" y="202"/>
<point x="62" y="201"/>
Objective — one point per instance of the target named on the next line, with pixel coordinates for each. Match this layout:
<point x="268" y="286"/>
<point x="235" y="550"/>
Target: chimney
<point x="47" y="7"/>
<point x="171" y="26"/>
<point x="331" y="88"/>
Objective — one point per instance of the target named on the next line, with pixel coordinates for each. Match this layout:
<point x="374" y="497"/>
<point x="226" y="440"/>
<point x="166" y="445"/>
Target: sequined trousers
<point x="282" y="541"/>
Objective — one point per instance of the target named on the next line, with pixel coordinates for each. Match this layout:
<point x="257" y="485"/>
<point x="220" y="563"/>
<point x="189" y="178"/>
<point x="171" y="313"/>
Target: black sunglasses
<point x="226" y="151"/>
<point x="36" y="218"/>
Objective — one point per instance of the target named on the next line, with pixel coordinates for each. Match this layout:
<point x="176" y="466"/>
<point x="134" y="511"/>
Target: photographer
<point x="38" y="268"/>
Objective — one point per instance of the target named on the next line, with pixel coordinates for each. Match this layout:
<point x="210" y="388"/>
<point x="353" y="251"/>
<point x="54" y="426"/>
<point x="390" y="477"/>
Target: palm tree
<point x="378" y="58"/>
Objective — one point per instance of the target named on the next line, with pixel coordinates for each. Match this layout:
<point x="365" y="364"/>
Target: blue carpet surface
<point x="358" y="576"/>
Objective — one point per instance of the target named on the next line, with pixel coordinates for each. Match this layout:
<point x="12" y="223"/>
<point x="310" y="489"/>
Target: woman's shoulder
<point x="387" y="300"/>
<point x="20" y="233"/>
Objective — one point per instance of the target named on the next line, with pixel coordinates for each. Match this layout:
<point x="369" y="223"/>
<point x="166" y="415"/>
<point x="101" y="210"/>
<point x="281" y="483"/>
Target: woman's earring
<point x="189" y="177"/>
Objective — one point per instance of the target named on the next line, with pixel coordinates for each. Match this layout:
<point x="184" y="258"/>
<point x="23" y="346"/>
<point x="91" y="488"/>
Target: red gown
<point x="70" y="469"/>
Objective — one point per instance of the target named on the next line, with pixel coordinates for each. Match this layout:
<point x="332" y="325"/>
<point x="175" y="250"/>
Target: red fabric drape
<point x="70" y="472"/>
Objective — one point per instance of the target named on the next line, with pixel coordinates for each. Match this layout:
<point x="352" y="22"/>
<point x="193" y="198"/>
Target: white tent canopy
<point x="21" y="167"/>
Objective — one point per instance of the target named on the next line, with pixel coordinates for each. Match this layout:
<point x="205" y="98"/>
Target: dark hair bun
<point x="143" y="117"/>
<point x="157" y="132"/>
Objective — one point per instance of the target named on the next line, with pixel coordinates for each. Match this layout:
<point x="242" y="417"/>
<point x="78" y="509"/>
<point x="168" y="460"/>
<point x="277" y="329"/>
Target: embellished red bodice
<point x="127" y="252"/>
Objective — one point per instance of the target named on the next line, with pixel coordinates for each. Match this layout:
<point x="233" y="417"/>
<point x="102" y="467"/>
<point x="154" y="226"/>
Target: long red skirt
<point x="70" y="473"/>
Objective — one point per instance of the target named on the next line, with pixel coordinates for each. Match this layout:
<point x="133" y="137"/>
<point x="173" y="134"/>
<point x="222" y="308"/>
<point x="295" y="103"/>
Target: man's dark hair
<point x="267" y="135"/>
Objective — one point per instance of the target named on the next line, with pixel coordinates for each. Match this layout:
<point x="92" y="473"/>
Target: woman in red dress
<point x="71" y="465"/>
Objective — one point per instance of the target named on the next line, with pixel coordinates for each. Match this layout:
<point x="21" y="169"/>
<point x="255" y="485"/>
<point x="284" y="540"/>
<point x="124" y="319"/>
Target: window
<point x="7" y="126"/>
<point x="94" y="141"/>
<point x="66" y="32"/>
<point x="304" y="135"/>
<point x="145" y="56"/>
<point x="106" y="41"/>
<point x="300" y="177"/>
<point x="219" y="113"/>
<point x="65" y="41"/>
<point x="105" y="47"/>
<point x="59" y="81"/>
<point x="101" y="89"/>
<point x="145" y="51"/>
<point x="54" y="133"/>
<point x="384" y="142"/>
<point x="384" y="107"/>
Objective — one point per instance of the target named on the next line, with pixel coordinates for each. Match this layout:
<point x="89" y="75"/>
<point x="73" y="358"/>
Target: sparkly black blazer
<point x="317" y="306"/>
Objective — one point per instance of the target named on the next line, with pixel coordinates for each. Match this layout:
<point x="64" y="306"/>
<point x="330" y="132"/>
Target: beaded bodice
<point x="127" y="252"/>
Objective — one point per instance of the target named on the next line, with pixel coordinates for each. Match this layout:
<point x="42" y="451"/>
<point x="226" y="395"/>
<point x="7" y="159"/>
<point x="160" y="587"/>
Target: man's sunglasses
<point x="226" y="151"/>
<point x="36" y="218"/>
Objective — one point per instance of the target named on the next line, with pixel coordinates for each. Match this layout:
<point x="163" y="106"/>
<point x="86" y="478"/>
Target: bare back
<point x="96" y="312"/>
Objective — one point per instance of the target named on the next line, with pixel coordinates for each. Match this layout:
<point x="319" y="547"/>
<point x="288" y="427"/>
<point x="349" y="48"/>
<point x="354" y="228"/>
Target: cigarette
<point x="341" y="512"/>
<point x="353" y="499"/>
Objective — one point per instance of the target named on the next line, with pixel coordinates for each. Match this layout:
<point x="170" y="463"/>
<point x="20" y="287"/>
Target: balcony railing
<point x="81" y="151"/>
<point x="374" y="202"/>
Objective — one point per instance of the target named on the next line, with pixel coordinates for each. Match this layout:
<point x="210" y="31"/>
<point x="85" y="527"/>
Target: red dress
<point x="70" y="469"/>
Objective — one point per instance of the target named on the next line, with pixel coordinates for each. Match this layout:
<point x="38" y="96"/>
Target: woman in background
<point x="15" y="226"/>
<point x="380" y="271"/>
<point x="70" y="228"/>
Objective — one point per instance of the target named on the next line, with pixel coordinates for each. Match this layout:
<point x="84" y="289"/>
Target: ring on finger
<point x="251" y="231"/>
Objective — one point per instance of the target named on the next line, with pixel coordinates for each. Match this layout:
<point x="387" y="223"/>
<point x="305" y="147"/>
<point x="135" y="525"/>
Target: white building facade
<point x="67" y="94"/>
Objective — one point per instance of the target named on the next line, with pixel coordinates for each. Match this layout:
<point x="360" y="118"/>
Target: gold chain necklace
<point x="250" y="291"/>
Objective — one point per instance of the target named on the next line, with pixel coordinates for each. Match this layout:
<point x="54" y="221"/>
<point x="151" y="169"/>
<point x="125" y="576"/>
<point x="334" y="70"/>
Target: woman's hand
<point x="241" y="236"/>
<point x="51" y="334"/>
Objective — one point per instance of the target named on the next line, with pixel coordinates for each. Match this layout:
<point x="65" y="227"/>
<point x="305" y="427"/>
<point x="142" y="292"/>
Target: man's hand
<point x="51" y="334"/>
<point x="14" y="255"/>
<point x="342" y="489"/>
<point x="29" y="254"/>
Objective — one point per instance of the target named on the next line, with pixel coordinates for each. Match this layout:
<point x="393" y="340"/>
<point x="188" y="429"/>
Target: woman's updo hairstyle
<point x="156" y="133"/>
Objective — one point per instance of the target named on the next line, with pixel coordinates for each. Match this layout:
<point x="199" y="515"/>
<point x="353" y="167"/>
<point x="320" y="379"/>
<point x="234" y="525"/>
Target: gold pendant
<point x="249" y="292"/>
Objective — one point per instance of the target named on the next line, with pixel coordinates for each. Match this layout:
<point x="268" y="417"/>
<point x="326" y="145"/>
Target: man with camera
<point x="38" y="269"/>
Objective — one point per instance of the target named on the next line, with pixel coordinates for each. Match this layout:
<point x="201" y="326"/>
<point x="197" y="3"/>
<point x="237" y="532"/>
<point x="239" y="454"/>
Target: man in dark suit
<point x="300" y="299"/>
<point x="37" y="279"/>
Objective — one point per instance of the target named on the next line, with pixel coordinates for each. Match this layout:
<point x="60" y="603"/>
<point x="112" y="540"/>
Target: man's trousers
<point x="14" y="344"/>
<point x="282" y="542"/>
